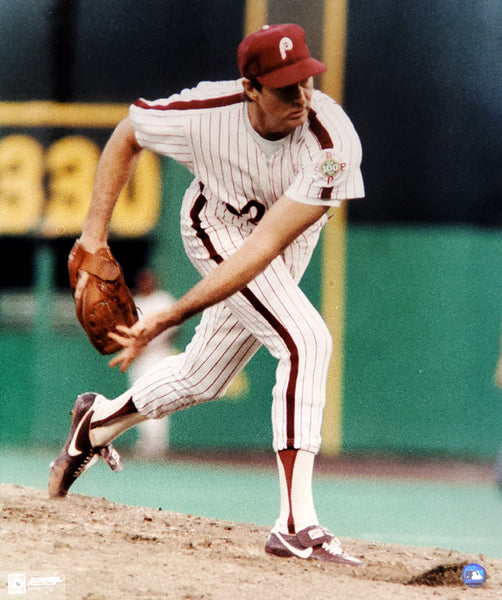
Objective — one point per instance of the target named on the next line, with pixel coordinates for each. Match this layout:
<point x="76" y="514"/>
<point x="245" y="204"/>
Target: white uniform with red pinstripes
<point x="238" y="175"/>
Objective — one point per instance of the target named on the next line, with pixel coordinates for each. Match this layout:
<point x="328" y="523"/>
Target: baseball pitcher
<point x="270" y="156"/>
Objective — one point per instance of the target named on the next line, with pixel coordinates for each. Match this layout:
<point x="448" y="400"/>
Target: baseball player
<point x="270" y="155"/>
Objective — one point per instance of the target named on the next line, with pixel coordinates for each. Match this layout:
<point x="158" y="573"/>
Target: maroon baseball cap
<point x="277" y="55"/>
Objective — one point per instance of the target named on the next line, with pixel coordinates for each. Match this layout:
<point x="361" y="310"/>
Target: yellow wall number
<point x="49" y="191"/>
<point x="70" y="164"/>
<point x="21" y="184"/>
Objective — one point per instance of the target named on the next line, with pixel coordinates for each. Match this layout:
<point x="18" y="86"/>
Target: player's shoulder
<point x="216" y="88"/>
<point x="205" y="95"/>
<point x="329" y="115"/>
<point x="324" y="104"/>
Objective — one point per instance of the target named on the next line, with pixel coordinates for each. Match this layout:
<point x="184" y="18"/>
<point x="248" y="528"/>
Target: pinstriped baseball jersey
<point x="238" y="176"/>
<point x="207" y="130"/>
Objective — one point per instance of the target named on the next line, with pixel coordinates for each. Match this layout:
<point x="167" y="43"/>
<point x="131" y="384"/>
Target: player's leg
<point x="219" y="350"/>
<point x="285" y="321"/>
<point x="279" y="315"/>
<point x="276" y="312"/>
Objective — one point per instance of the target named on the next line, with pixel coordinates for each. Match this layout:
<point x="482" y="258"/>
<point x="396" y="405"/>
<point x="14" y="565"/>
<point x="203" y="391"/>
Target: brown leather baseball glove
<point x="106" y="300"/>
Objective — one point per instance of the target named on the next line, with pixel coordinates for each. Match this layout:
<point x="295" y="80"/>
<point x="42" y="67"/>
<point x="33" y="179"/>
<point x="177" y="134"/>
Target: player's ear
<point x="251" y="91"/>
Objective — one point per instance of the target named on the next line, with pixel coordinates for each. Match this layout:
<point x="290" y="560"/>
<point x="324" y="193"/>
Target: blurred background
<point x="422" y="275"/>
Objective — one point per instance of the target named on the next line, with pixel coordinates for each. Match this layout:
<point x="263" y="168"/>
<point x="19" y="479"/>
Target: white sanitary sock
<point x="295" y="480"/>
<point x="112" y="417"/>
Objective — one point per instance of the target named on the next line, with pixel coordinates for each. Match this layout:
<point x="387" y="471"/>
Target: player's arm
<point x="116" y="165"/>
<point x="282" y="224"/>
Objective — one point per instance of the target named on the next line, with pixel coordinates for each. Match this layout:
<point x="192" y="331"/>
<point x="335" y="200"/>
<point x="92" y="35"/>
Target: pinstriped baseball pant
<point x="271" y="311"/>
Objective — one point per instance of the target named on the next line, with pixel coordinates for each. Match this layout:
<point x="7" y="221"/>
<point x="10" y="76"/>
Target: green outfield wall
<point x="423" y="313"/>
<point x="424" y="308"/>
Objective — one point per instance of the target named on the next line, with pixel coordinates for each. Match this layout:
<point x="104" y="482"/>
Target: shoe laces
<point x="333" y="546"/>
<point x="86" y="464"/>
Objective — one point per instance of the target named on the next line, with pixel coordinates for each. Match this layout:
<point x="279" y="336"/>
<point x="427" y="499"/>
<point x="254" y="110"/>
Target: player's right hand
<point x="133" y="340"/>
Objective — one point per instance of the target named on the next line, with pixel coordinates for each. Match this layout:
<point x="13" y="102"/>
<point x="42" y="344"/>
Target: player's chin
<point x="297" y="118"/>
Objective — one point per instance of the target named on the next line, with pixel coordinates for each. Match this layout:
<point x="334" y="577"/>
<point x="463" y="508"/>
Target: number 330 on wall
<point x="47" y="191"/>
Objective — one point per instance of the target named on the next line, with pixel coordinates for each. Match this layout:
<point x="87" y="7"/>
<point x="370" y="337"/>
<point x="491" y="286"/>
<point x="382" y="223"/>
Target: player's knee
<point x="207" y="392"/>
<point x="314" y="341"/>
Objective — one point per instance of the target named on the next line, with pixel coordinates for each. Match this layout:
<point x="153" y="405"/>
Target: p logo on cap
<point x="284" y="45"/>
<point x="277" y="56"/>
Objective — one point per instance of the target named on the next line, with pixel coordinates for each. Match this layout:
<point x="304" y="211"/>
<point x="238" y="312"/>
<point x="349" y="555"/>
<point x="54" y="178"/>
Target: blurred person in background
<point x="153" y="434"/>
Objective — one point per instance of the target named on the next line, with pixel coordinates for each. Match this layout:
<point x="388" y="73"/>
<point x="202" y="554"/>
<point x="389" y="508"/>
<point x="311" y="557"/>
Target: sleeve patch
<point x="330" y="168"/>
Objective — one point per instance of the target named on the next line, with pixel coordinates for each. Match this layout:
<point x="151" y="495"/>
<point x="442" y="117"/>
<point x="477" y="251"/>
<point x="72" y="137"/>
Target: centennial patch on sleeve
<point x="330" y="168"/>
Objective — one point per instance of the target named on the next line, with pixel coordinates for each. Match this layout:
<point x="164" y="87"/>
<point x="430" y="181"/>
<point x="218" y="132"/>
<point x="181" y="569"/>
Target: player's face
<point x="275" y="112"/>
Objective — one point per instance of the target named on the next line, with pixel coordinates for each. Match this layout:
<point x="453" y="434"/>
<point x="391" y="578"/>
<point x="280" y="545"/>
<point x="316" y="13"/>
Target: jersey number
<point x="253" y="208"/>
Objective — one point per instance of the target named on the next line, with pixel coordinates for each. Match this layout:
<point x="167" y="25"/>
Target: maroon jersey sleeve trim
<point x="192" y="104"/>
<point x="325" y="141"/>
<point x="320" y="132"/>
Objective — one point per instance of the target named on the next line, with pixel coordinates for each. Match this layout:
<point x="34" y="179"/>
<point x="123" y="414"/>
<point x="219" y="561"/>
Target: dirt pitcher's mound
<point x="98" y="550"/>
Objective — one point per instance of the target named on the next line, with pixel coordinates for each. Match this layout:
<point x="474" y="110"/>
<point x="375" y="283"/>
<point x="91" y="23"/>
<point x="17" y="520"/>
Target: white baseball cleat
<point x="78" y="454"/>
<point x="311" y="543"/>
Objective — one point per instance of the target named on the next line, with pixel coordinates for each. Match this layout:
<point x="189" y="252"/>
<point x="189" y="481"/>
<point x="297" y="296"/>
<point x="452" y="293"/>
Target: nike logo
<point x="301" y="553"/>
<point x="73" y="449"/>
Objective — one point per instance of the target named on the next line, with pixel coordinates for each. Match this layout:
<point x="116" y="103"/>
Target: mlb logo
<point x="474" y="575"/>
